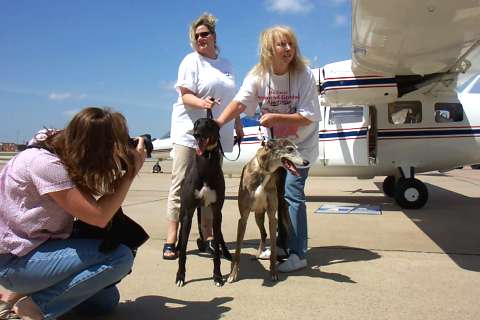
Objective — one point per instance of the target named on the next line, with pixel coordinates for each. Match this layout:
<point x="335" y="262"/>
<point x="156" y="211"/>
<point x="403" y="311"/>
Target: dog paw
<point x="180" y="281"/>
<point x="231" y="279"/>
<point x="218" y="280"/>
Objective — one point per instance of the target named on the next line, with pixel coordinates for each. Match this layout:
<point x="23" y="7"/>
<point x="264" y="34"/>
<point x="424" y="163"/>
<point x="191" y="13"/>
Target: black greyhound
<point x="204" y="185"/>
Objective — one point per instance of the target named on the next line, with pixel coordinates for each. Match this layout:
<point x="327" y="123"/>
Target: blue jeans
<point x="61" y="274"/>
<point x="297" y="210"/>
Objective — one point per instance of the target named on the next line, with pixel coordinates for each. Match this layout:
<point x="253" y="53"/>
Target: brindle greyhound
<point x="258" y="193"/>
<point x="204" y="185"/>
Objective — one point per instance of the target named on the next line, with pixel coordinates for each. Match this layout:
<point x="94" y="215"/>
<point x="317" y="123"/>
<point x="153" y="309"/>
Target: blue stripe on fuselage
<point x="356" y="82"/>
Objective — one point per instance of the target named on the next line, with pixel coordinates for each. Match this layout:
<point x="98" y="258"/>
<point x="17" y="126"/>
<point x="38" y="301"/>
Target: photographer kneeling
<point x="42" y="189"/>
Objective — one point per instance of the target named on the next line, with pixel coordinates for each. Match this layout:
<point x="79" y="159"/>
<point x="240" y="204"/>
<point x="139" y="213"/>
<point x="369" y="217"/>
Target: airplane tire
<point x="411" y="193"/>
<point x="156" y="168"/>
<point x="389" y="186"/>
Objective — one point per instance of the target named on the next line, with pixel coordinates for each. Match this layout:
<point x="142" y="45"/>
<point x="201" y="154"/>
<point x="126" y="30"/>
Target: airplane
<point x="393" y="110"/>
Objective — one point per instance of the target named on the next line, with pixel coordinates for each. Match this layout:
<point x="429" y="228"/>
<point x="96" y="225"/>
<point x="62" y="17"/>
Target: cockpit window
<point x="401" y="112"/>
<point x="448" y="112"/>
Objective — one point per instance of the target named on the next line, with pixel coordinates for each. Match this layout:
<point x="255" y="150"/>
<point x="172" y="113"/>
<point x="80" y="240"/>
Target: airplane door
<point x="345" y="136"/>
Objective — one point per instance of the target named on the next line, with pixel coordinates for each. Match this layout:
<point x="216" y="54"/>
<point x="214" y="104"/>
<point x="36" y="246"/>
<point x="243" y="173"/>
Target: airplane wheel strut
<point x="389" y="186"/>
<point x="411" y="193"/>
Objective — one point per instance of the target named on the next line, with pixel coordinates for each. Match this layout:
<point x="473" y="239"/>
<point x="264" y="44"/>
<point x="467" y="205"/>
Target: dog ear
<point x="270" y="144"/>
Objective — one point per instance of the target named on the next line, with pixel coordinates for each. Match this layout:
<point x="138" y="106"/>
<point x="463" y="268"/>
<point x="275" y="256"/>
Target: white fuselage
<point x="354" y="147"/>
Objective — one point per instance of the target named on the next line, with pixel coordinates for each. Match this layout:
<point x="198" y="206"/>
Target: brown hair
<point x="206" y="19"/>
<point x="267" y="43"/>
<point x="94" y="149"/>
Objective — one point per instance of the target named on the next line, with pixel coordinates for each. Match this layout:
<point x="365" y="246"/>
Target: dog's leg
<point x="186" y="215"/>
<point x="260" y="220"/>
<point x="217" y="225"/>
<point x="272" y="222"/>
<point x="199" y="223"/>
<point x="242" y="226"/>
<point x="225" y="253"/>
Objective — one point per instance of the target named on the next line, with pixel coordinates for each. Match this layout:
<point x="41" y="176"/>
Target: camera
<point x="133" y="142"/>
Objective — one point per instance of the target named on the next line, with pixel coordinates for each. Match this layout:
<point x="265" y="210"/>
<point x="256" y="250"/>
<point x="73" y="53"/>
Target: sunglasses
<point x="202" y="34"/>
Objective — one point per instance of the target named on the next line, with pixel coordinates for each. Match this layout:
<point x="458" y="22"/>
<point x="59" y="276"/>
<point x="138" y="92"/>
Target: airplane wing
<point x="411" y="37"/>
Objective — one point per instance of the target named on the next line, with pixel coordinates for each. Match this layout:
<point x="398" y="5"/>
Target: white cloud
<point x="61" y="96"/>
<point x="340" y="20"/>
<point x="289" y="6"/>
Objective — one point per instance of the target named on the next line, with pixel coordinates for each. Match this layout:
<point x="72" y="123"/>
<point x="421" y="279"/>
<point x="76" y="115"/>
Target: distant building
<point x="11" y="147"/>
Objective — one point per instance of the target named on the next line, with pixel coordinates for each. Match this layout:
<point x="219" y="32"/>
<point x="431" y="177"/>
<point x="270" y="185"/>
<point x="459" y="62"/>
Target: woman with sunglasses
<point x="205" y="82"/>
<point x="284" y="87"/>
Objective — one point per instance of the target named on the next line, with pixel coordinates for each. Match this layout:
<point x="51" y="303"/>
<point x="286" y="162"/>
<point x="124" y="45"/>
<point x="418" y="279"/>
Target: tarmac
<point x="402" y="264"/>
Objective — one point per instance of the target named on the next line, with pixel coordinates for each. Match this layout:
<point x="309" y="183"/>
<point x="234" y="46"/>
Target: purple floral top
<point x="28" y="215"/>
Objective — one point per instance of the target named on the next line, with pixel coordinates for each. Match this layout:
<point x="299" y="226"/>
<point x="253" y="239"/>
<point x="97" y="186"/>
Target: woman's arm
<point x="189" y="98"/>
<point x="98" y="212"/>
<point x="232" y="111"/>
<point x="295" y="119"/>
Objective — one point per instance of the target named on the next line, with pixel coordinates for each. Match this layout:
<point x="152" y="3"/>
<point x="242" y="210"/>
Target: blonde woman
<point x="284" y="88"/>
<point x="205" y="82"/>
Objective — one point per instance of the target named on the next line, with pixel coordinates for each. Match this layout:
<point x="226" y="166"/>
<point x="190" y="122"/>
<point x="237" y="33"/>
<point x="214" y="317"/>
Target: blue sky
<point x="59" y="56"/>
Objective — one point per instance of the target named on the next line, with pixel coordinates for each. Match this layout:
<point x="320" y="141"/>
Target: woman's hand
<point x="239" y="128"/>
<point x="209" y="102"/>
<point x="268" y="119"/>
<point x="189" y="98"/>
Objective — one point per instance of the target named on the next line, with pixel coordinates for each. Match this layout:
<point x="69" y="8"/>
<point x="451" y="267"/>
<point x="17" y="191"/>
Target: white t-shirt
<point x="292" y="92"/>
<point x="204" y="77"/>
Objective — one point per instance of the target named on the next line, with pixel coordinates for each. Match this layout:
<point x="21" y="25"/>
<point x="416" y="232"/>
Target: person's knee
<point x="102" y="303"/>
<point x="122" y="259"/>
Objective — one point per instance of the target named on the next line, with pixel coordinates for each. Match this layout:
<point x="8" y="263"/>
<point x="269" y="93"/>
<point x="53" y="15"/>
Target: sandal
<point x="169" y="251"/>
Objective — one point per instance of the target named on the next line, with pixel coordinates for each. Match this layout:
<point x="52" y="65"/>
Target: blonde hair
<point x="267" y="47"/>
<point x="206" y="19"/>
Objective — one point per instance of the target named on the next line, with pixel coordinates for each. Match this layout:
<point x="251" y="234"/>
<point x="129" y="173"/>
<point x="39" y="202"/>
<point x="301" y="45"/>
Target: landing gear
<point x="389" y="186"/>
<point x="156" y="168"/>
<point x="410" y="193"/>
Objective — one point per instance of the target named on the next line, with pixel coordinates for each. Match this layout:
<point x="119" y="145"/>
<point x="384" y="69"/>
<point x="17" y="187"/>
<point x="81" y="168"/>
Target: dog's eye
<point x="290" y="149"/>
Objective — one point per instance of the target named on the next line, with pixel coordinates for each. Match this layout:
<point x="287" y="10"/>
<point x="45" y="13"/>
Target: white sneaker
<point x="293" y="263"/>
<point x="265" y="255"/>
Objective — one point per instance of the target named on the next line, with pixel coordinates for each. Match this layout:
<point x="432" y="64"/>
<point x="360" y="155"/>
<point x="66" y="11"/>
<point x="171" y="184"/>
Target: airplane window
<point x="448" y="112"/>
<point x="401" y="112"/>
<point x="345" y="115"/>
